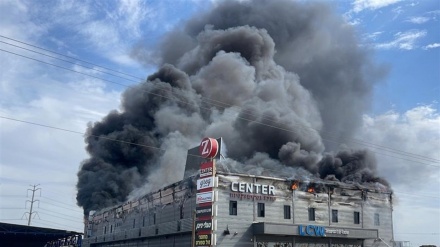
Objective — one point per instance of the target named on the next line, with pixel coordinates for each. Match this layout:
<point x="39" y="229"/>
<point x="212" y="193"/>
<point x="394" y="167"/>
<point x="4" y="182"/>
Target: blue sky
<point x="402" y="35"/>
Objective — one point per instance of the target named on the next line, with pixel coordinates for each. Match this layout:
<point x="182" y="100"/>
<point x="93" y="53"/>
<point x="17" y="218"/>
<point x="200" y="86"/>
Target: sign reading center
<point x="208" y="148"/>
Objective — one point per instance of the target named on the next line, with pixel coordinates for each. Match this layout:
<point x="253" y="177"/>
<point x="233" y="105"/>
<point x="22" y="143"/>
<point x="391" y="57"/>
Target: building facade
<point x="224" y="209"/>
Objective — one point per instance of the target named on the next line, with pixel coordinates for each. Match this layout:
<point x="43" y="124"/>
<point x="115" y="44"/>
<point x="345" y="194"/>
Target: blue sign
<point x="311" y="230"/>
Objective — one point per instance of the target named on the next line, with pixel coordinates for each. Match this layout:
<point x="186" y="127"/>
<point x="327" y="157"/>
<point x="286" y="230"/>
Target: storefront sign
<point x="204" y="197"/>
<point x="203" y="225"/>
<point x="257" y="197"/>
<point x="253" y="188"/>
<point x="203" y="240"/>
<point x="205" y="183"/>
<point x="337" y="231"/>
<point x="311" y="230"/>
<point x="206" y="169"/>
<point x="208" y="148"/>
<point x="203" y="211"/>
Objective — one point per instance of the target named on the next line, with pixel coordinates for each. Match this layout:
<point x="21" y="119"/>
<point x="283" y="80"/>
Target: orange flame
<point x="311" y="190"/>
<point x="295" y="185"/>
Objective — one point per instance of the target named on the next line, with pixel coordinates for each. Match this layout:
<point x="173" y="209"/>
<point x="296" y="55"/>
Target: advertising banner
<point x="203" y="211"/>
<point x="203" y="240"/>
<point x="205" y="183"/>
<point x="204" y="197"/>
<point x="207" y="169"/>
<point x="204" y="225"/>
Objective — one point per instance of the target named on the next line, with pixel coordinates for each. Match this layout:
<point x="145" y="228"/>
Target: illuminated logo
<point x="208" y="148"/>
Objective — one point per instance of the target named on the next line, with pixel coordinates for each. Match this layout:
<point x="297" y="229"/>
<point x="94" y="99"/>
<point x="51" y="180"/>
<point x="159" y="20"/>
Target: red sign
<point x="208" y="148"/>
<point x="206" y="169"/>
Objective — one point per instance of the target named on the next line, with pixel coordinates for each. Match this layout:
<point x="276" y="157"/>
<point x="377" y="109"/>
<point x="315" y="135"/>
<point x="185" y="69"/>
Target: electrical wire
<point x="67" y="61"/>
<point x="78" y="211"/>
<point x="54" y="223"/>
<point x="250" y="120"/>
<point x="137" y="144"/>
<point x="371" y="145"/>
<point x="59" y="202"/>
<point x="45" y="213"/>
<point x="82" y="133"/>
<point x="74" y="58"/>
<point x="81" y="214"/>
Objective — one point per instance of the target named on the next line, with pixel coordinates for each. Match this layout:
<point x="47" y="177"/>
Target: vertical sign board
<point x="208" y="149"/>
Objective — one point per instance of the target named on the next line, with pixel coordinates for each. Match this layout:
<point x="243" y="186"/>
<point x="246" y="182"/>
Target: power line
<point x="62" y="207"/>
<point x="82" y="133"/>
<point x="54" y="223"/>
<point x="61" y="217"/>
<point x="132" y="143"/>
<point x="60" y="202"/>
<point x="55" y="212"/>
<point x="67" y="61"/>
<point x="371" y="145"/>
<point x="54" y="52"/>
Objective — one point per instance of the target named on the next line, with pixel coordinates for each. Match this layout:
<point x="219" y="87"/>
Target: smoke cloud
<point x="283" y="83"/>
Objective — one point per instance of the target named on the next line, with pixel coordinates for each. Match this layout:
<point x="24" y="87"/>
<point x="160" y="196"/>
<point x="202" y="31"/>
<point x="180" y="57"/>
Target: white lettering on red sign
<point x="208" y="148"/>
<point x="206" y="169"/>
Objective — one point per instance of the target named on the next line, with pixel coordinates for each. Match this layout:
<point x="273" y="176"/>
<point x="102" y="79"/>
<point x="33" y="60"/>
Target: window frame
<point x="356" y="217"/>
<point x="261" y="210"/>
<point x="376" y="219"/>
<point x="287" y="212"/>
<point x="335" y="216"/>
<point x="181" y="212"/>
<point x="233" y="210"/>
<point x="312" y="216"/>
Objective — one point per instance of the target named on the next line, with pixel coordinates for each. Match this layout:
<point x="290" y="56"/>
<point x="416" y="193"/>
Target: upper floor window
<point x="311" y="214"/>
<point x="376" y="219"/>
<point x="286" y="212"/>
<point x="181" y="211"/>
<point x="232" y="207"/>
<point x="334" y="215"/>
<point x="260" y="209"/>
<point x="357" y="218"/>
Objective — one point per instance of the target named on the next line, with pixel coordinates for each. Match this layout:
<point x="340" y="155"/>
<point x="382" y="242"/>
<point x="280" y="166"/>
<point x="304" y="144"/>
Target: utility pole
<point x="32" y="201"/>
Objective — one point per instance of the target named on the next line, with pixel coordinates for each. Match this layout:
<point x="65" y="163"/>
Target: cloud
<point x="431" y="46"/>
<point x="372" y="36"/>
<point x="406" y="147"/>
<point x="408" y="143"/>
<point x="360" y="5"/>
<point x="403" y="40"/>
<point x="418" y="20"/>
<point x="33" y="154"/>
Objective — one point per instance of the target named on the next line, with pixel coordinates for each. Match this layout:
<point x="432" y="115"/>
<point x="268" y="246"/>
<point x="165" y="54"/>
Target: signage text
<point x="311" y="230"/>
<point x="204" y="197"/>
<point x="253" y="188"/>
<point x="204" y="183"/>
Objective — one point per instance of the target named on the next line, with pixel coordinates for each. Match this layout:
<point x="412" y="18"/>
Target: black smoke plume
<point x="284" y="83"/>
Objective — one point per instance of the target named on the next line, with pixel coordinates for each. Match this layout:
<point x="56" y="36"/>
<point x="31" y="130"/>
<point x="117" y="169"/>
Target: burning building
<point x="285" y="85"/>
<point x="219" y="208"/>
